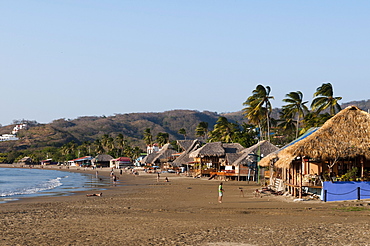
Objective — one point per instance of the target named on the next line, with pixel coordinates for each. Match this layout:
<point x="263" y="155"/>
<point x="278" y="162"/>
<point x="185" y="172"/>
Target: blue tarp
<point x="345" y="190"/>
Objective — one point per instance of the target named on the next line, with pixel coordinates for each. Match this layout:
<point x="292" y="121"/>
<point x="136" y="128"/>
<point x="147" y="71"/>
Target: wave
<point x="47" y="185"/>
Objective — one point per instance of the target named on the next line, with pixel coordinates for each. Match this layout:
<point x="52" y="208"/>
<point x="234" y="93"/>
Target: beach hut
<point x="26" y="161"/>
<point x="121" y="162"/>
<point x="215" y="159"/>
<point x="46" y="162"/>
<point x="101" y="160"/>
<point x="246" y="164"/>
<point x="162" y="158"/>
<point x="81" y="162"/>
<point x="185" y="144"/>
<point x="337" y="151"/>
<point x="183" y="160"/>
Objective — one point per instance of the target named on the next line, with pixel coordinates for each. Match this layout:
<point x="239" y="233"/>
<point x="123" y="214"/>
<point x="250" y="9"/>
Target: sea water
<point x="16" y="183"/>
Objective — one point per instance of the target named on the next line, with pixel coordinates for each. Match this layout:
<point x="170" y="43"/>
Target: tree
<point x="162" y="138"/>
<point x="295" y="107"/>
<point x="98" y="147"/>
<point x="324" y="99"/>
<point x="182" y="131"/>
<point x="247" y="136"/>
<point x="69" y="149"/>
<point x="120" y="142"/>
<point x="223" y="131"/>
<point x="136" y="152"/>
<point x="259" y="107"/>
<point x="313" y="119"/>
<point x="148" y="138"/>
<point x="202" y="130"/>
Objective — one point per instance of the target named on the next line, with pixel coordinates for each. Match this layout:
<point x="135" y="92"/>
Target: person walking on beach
<point x="157" y="176"/>
<point x="220" y="192"/>
<point x="114" y="179"/>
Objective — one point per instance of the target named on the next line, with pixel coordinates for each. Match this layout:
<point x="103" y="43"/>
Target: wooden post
<point x="301" y="181"/>
<point x="358" y="193"/>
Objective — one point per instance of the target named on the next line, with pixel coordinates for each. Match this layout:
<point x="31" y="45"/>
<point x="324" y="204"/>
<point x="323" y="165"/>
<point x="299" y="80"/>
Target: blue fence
<point x="346" y="190"/>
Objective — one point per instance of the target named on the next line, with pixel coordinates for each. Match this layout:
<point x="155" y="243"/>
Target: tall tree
<point x="247" y="136"/>
<point x="295" y="107"/>
<point x="258" y="105"/>
<point x="148" y="138"/>
<point x="120" y="142"/>
<point x="324" y="98"/>
<point x="182" y="131"/>
<point x="223" y="131"/>
<point x="162" y="138"/>
<point x="313" y="119"/>
<point x="98" y="147"/>
<point x="202" y="130"/>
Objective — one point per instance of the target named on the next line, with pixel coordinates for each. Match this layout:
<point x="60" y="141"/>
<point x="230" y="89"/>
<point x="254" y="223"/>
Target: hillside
<point x="132" y="126"/>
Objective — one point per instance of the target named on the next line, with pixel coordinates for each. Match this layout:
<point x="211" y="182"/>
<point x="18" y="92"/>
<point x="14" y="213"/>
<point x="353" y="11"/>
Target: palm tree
<point x="162" y="138"/>
<point x="324" y="99"/>
<point x="148" y="138"/>
<point x="259" y="106"/>
<point x="202" y="130"/>
<point x="223" y="131"/>
<point x="295" y="107"/>
<point x="286" y="122"/>
<point x="136" y="152"/>
<point x="98" y="147"/>
<point x="182" y="131"/>
<point x="120" y="142"/>
<point x="314" y="120"/>
<point x="69" y="148"/>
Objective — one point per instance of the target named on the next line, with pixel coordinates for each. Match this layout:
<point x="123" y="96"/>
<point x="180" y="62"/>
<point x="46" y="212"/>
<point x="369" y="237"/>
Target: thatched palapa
<point x="210" y="149"/>
<point x="262" y="148"/>
<point x="164" y="154"/>
<point x="184" y="158"/>
<point x="346" y="135"/>
<point x="275" y="155"/>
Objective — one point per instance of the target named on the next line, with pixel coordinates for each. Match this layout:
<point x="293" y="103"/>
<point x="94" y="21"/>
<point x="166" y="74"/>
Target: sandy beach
<point x="183" y="211"/>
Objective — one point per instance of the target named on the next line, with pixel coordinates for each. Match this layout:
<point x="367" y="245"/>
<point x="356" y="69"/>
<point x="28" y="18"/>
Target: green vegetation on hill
<point x="89" y="129"/>
<point x="76" y="137"/>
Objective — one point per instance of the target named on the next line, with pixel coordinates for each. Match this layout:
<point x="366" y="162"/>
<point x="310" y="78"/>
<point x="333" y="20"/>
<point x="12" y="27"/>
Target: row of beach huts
<point x="331" y="162"/>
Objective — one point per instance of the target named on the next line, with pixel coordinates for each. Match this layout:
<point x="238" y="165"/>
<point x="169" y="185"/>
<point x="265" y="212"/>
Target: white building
<point x="8" y="137"/>
<point x="18" y="127"/>
<point x="152" y="149"/>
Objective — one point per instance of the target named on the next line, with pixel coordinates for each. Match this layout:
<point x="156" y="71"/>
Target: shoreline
<point x="105" y="173"/>
<point x="183" y="211"/>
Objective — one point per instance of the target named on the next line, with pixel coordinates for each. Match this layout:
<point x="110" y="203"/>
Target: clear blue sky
<point x="71" y="58"/>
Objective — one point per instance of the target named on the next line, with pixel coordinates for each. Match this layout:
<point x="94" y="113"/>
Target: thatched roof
<point x="209" y="149"/>
<point x="165" y="153"/>
<point x="346" y="135"/>
<point x="184" y="157"/>
<point x="274" y="155"/>
<point x="232" y="152"/>
<point x="262" y="148"/>
<point x="25" y="159"/>
<point x="185" y="144"/>
<point x="102" y="158"/>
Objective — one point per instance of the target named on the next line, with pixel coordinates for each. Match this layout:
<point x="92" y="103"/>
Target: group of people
<point x="165" y="179"/>
<point x="220" y="186"/>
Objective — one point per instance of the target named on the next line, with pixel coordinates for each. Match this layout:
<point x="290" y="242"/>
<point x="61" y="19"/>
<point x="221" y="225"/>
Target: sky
<point x="73" y="58"/>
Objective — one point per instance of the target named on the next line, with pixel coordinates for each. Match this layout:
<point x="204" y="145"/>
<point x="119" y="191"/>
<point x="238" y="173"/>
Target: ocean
<point x="16" y="183"/>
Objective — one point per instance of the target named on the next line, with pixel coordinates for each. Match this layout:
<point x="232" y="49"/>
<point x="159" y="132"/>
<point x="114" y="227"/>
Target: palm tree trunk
<point x="296" y="134"/>
<point x="268" y="126"/>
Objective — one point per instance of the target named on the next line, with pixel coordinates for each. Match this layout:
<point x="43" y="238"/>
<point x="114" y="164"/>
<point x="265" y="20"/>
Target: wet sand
<point x="184" y="211"/>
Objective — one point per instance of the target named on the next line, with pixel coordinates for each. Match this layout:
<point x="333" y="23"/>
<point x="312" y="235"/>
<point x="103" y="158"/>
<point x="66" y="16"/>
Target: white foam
<point x="47" y="185"/>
